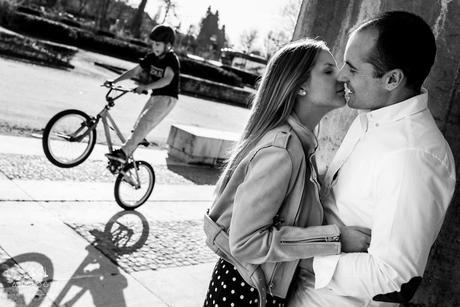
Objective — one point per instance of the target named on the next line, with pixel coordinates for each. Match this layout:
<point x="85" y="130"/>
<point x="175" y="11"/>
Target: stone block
<point x="198" y="145"/>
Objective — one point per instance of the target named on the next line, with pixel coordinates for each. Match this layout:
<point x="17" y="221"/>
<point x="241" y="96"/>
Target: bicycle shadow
<point x="98" y="274"/>
<point x="25" y="279"/>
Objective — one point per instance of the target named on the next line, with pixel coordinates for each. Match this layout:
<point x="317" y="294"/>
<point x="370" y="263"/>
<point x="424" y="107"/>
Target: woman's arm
<point x="258" y="199"/>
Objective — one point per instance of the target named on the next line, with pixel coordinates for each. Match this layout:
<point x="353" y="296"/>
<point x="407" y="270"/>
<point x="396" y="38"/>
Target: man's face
<point x="365" y="91"/>
<point x="158" y="48"/>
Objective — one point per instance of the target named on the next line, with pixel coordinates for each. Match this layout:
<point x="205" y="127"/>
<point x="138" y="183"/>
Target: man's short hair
<point x="405" y="41"/>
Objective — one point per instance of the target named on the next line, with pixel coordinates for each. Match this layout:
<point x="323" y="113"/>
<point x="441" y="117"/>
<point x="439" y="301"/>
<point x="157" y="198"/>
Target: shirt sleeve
<point x="412" y="191"/>
<point x="252" y="235"/>
<point x="173" y="62"/>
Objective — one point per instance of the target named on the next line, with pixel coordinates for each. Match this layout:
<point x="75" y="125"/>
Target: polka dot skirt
<point x="227" y="288"/>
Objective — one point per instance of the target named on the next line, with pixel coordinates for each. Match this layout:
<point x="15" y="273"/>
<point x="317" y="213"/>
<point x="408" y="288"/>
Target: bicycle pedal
<point x="114" y="167"/>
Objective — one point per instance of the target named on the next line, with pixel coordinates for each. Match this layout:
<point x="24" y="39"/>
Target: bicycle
<point x="70" y="136"/>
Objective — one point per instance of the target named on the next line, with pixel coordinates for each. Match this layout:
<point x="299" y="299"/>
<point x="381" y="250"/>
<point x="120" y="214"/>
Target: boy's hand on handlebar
<point x="141" y="89"/>
<point x="109" y="83"/>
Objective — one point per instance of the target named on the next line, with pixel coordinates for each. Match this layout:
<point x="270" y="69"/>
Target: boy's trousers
<point x="156" y="108"/>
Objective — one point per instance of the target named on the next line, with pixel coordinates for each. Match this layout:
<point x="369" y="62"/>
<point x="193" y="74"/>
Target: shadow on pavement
<point x="96" y="273"/>
<point x="198" y="174"/>
<point x="26" y="278"/>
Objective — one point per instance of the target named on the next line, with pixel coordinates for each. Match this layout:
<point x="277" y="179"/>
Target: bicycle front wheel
<point x="134" y="184"/>
<point x="68" y="139"/>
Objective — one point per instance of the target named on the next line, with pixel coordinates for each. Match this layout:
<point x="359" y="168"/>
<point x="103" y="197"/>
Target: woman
<point x="267" y="198"/>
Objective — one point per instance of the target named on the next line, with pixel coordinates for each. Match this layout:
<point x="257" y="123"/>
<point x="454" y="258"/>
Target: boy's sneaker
<point x="144" y="142"/>
<point x="117" y="155"/>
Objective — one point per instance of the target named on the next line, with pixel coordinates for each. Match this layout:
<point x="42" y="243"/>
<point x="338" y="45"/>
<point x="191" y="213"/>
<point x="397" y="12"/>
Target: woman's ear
<point x="302" y="92"/>
<point x="393" y="79"/>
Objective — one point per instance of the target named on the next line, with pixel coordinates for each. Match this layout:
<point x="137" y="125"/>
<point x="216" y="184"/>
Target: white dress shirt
<point x="396" y="176"/>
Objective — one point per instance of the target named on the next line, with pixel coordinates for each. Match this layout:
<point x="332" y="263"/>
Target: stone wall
<point x="330" y="21"/>
<point x="217" y="91"/>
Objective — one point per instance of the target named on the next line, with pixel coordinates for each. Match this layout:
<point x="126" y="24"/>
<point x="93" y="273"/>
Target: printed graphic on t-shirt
<point x="156" y="72"/>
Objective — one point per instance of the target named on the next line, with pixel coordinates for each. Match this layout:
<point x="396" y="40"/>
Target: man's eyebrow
<point x="351" y="65"/>
<point x="329" y="64"/>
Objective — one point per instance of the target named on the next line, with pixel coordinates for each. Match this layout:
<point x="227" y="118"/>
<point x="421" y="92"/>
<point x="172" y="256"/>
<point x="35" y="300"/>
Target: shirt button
<point x="377" y="124"/>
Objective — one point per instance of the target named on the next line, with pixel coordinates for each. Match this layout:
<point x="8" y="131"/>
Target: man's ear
<point x="393" y="79"/>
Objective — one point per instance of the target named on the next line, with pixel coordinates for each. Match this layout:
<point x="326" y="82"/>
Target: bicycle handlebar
<point x="117" y="88"/>
<point x="120" y="88"/>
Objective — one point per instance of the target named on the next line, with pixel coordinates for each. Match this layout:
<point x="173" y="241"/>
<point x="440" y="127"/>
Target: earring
<point x="302" y="92"/>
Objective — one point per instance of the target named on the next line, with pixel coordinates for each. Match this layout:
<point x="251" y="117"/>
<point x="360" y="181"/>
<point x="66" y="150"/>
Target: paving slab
<point x="40" y="190"/>
<point x="184" y="286"/>
<point x="76" y="263"/>
<point x="33" y="146"/>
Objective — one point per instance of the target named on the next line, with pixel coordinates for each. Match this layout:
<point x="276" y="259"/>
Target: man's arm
<point x="413" y="191"/>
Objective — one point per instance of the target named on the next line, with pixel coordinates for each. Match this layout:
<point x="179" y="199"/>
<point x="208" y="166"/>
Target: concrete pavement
<point x="74" y="246"/>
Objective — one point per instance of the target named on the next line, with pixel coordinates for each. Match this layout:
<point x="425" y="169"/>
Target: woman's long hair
<point x="286" y="71"/>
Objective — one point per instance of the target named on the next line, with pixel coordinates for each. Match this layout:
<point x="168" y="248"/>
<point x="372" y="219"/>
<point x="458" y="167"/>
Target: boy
<point x="162" y="68"/>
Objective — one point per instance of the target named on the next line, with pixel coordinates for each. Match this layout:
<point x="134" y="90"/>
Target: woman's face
<point x="322" y="89"/>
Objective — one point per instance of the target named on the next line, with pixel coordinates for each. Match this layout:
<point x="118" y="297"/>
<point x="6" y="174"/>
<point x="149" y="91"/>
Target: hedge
<point x="247" y="78"/>
<point x="35" y="50"/>
<point x="130" y="50"/>
<point x="209" y="72"/>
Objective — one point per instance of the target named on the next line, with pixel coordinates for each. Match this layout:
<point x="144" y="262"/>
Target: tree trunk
<point x="439" y="286"/>
<point x="136" y="22"/>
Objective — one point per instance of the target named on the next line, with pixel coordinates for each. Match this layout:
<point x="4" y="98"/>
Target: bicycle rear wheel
<point x="134" y="184"/>
<point x="68" y="139"/>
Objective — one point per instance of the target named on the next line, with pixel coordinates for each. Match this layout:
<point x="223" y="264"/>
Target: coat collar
<point x="307" y="138"/>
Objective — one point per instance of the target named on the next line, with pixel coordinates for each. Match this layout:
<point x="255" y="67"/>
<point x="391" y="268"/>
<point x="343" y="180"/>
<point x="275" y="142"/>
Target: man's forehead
<point x="360" y="44"/>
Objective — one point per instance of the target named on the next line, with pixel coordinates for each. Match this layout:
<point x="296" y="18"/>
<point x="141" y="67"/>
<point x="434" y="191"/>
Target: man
<point x="393" y="173"/>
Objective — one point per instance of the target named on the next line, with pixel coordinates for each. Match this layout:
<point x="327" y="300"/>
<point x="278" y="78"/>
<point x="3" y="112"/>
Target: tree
<point x="101" y="21"/>
<point x="211" y="38"/>
<point x="248" y="39"/>
<point x="275" y="40"/>
<point x="137" y="19"/>
<point x="81" y="6"/>
<point x="170" y="6"/>
<point x="290" y="12"/>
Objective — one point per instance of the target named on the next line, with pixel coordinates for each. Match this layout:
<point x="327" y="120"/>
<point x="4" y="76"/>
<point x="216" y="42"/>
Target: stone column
<point x="330" y="20"/>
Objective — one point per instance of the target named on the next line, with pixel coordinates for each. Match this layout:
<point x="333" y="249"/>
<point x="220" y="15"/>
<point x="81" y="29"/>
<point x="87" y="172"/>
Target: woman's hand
<point x="355" y="239"/>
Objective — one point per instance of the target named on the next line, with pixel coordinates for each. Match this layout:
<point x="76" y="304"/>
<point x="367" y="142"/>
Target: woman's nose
<point x="342" y="75"/>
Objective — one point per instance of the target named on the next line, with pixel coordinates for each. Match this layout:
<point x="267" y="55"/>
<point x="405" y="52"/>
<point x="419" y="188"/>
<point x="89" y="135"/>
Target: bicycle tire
<point x="43" y="281"/>
<point x="131" y="203"/>
<point x="51" y="144"/>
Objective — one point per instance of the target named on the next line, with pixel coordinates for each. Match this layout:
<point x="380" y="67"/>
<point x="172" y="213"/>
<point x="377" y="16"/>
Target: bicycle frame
<point x="106" y="118"/>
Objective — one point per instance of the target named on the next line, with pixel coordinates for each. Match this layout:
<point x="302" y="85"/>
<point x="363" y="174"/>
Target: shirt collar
<point x="307" y="138"/>
<point x="399" y="110"/>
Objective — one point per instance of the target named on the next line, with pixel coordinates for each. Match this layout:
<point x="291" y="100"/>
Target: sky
<point x="237" y="15"/>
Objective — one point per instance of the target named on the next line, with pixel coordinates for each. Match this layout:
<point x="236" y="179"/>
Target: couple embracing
<point x="362" y="235"/>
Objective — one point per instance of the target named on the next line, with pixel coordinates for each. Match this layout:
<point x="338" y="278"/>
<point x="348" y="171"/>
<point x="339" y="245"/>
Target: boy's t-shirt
<point x="156" y="67"/>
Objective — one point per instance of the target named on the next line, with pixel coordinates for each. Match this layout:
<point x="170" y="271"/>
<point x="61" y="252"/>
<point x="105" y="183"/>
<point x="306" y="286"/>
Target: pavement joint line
<point x="101" y="201"/>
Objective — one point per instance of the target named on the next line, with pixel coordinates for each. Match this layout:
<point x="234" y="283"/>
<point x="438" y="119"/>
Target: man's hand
<point x="141" y="89"/>
<point x="355" y="239"/>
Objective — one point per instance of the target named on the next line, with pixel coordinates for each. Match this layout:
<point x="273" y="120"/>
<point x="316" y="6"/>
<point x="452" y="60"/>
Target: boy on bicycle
<point x="162" y="68"/>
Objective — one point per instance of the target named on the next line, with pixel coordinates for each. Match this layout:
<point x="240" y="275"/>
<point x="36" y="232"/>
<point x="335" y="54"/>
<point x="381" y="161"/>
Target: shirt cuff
<point x="324" y="268"/>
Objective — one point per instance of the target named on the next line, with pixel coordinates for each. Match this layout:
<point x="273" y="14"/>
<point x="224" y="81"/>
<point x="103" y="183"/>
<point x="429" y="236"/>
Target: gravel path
<point x="28" y="167"/>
